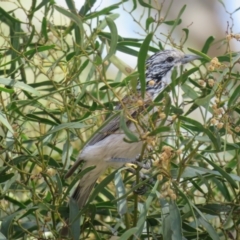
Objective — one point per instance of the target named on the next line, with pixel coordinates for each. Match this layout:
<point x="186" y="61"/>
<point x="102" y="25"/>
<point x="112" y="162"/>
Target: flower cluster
<point x="231" y="36"/>
<point x="164" y="158"/>
<point x="214" y="64"/>
<point x="209" y="81"/>
<point x="166" y="191"/>
<point x="217" y="115"/>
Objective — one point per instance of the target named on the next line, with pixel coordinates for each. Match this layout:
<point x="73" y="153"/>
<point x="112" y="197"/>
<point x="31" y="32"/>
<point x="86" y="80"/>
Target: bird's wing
<point x="111" y="125"/>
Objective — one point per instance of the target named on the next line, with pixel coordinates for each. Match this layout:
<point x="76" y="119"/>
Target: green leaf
<point x="38" y="49"/>
<point x="222" y="172"/>
<point x="207" y="44"/>
<point x="204" y="100"/>
<point x="183" y="78"/>
<point x="134" y="5"/>
<point x="131" y="136"/>
<point x="204" y="56"/>
<point x="18" y="84"/>
<point x="233" y="97"/>
<point x="7" y="223"/>
<point x="121" y="65"/>
<point x="237" y="9"/>
<point x="149" y="21"/>
<point x="74" y="219"/>
<point x="5" y="177"/>
<point x="7" y="90"/>
<point x="202" y="220"/>
<point x="66" y="126"/>
<point x="172" y="224"/>
<point x="41" y="4"/>
<point x="34" y="118"/>
<point x="127" y="234"/>
<point x="160" y="129"/>
<point x="5" y="122"/>
<point x="104" y="11"/>
<point x="173" y="22"/>
<point x="186" y="30"/>
<point x="127" y="50"/>
<point x="76" y="19"/>
<point x="5" y="14"/>
<point x="144" y="210"/>
<point x="142" y="56"/>
<point x="120" y="191"/>
<point x="191" y="172"/>
<point x="114" y="38"/>
<point x="2" y="237"/>
<point x="136" y="45"/>
<point x="203" y="129"/>
<point x="44" y="28"/>
<point x="189" y="91"/>
<point x="71" y="6"/>
<point x="30" y="38"/>
<point x="103" y="23"/>
<point x="88" y="4"/>
<point x="176" y="21"/>
<point x="144" y="4"/>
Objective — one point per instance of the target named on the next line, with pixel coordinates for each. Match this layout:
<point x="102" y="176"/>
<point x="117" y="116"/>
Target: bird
<point x="107" y="146"/>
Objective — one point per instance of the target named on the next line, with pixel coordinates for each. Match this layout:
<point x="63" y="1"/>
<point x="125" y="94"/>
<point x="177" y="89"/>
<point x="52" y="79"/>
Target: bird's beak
<point x="188" y="58"/>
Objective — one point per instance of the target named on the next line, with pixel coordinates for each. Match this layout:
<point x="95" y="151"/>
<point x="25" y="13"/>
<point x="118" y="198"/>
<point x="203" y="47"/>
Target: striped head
<point x="159" y="68"/>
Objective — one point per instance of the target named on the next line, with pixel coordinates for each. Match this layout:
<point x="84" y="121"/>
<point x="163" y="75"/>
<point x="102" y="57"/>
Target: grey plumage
<point x="108" y="144"/>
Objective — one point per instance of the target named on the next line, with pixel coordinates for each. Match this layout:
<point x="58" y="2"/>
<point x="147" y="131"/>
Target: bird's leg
<point x="146" y="166"/>
<point x="142" y="189"/>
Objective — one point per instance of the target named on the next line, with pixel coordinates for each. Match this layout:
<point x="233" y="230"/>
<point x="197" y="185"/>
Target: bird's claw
<point x="146" y="165"/>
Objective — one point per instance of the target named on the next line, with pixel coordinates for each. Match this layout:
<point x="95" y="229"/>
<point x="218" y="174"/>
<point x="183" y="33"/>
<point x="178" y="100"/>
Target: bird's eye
<point x="169" y="59"/>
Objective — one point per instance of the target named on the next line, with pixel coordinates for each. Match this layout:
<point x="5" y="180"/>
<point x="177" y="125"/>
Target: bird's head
<point x="159" y="68"/>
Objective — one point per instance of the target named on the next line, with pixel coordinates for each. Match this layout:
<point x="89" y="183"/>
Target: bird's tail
<point x="82" y="192"/>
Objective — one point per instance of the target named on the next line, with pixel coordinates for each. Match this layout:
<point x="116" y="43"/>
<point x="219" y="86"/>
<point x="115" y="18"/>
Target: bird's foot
<point x="146" y="165"/>
<point x="141" y="190"/>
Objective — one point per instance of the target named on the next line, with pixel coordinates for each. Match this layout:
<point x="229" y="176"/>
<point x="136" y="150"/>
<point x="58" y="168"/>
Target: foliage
<point x="56" y="91"/>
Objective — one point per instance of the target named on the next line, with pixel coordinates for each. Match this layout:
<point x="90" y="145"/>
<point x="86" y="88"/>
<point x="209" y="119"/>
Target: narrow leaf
<point x="114" y="38"/>
<point x="75" y="18"/>
<point x="127" y="234"/>
<point x="131" y="136"/>
<point x="18" y="84"/>
<point x="203" y="129"/>
<point x="120" y="191"/>
<point x="144" y="4"/>
<point x="142" y="62"/>
<point x="148" y="22"/>
<point x="74" y="219"/>
<point x="186" y="30"/>
<point x="144" y="210"/>
<point x="66" y="126"/>
<point x="88" y="4"/>
<point x="204" y="56"/>
<point x="5" y="122"/>
<point x="234" y="96"/>
<point x="173" y="22"/>
<point x="207" y="44"/>
<point x="159" y="129"/>
<point x="41" y="4"/>
<point x="222" y="172"/>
